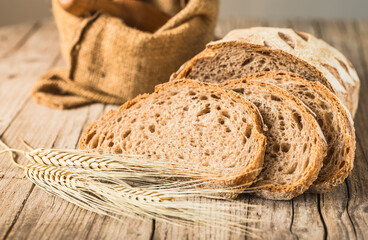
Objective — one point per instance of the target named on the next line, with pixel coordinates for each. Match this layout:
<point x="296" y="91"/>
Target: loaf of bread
<point x="259" y="49"/>
<point x="295" y="143"/>
<point x="334" y="120"/>
<point x="190" y="122"/>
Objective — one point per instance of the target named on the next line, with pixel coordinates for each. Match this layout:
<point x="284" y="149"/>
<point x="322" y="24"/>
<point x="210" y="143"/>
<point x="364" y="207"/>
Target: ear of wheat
<point x="135" y="186"/>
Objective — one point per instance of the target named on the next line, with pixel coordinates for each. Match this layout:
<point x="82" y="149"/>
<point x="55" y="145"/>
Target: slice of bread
<point x="259" y="49"/>
<point x="295" y="143"/>
<point x="194" y="123"/>
<point x="335" y="121"/>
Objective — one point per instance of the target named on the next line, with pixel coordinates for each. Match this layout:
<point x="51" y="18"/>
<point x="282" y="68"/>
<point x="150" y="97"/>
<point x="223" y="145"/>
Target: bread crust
<point x="289" y="191"/>
<point x="247" y="175"/>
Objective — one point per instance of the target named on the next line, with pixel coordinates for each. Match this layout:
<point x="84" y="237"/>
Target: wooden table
<point x="26" y="212"/>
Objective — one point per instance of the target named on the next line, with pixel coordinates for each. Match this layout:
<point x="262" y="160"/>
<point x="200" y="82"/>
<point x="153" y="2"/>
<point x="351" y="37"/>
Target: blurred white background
<point x="15" y="11"/>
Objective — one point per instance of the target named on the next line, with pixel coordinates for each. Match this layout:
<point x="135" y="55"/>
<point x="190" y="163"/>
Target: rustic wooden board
<point x="29" y="50"/>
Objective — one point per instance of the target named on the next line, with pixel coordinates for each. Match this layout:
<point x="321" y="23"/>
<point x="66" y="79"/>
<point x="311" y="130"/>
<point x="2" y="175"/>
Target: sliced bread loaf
<point x="253" y="50"/>
<point x="334" y="120"/>
<point x="194" y="123"/>
<point x="295" y="144"/>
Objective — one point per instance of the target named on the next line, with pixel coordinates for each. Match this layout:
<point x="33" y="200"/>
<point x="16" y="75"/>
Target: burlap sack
<point x="110" y="62"/>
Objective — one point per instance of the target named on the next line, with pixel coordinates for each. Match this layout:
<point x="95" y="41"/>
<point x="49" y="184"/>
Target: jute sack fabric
<point x="111" y="62"/>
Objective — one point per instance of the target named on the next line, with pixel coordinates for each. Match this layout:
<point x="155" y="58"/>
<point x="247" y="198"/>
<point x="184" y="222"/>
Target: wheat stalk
<point x="136" y="169"/>
<point x="118" y="201"/>
<point x="134" y="186"/>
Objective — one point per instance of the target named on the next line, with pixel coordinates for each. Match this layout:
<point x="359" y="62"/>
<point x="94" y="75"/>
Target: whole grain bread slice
<point x="335" y="121"/>
<point x="295" y="143"/>
<point x="194" y="123"/>
<point x="259" y="49"/>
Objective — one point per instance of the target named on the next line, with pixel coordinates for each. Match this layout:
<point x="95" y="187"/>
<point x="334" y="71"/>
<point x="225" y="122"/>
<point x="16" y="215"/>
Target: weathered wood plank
<point x="22" y="68"/>
<point x="13" y="37"/>
<point x="358" y="181"/>
<point x="14" y="93"/>
<point x="334" y="206"/>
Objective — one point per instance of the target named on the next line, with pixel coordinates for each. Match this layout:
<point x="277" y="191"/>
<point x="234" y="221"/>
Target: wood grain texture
<point x="29" y="50"/>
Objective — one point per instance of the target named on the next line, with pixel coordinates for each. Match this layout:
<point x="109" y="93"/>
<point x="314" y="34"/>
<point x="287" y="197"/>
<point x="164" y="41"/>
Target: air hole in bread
<point x="267" y="70"/>
<point x="298" y="119"/>
<point x="228" y="129"/>
<point x="161" y="102"/>
<point x="247" y="61"/>
<point x="342" y="164"/>
<point x="94" y="142"/>
<point x="203" y="98"/>
<point x="347" y="150"/>
<point x="305" y="147"/>
<point x="320" y="122"/>
<point x="225" y="114"/>
<point x="110" y="136"/>
<point x="239" y="90"/>
<point x="111" y="144"/>
<point x="185" y="108"/>
<point x="310" y="95"/>
<point x="218" y="108"/>
<point x="292" y="169"/>
<point x="174" y="93"/>
<point x="244" y="140"/>
<point x="205" y="164"/>
<point x="221" y="121"/>
<point x="157" y="115"/>
<point x="119" y="119"/>
<point x="192" y="93"/>
<point x="280" y="169"/>
<point x="126" y="134"/>
<point x="248" y="130"/>
<point x="287" y="39"/>
<point x="151" y="128"/>
<point x="285" y="147"/>
<point x="264" y="53"/>
<point x="275" y="98"/>
<point x="90" y="136"/>
<point x="204" y="111"/>
<point x="215" y="96"/>
<point x="102" y="138"/>
<point x="276" y="147"/>
<point x="244" y="120"/>
<point x="117" y="150"/>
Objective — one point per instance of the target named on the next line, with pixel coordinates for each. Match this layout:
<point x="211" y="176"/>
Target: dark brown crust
<point x="248" y="174"/>
<point x="319" y="149"/>
<point x="322" y="185"/>
<point x="212" y="47"/>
